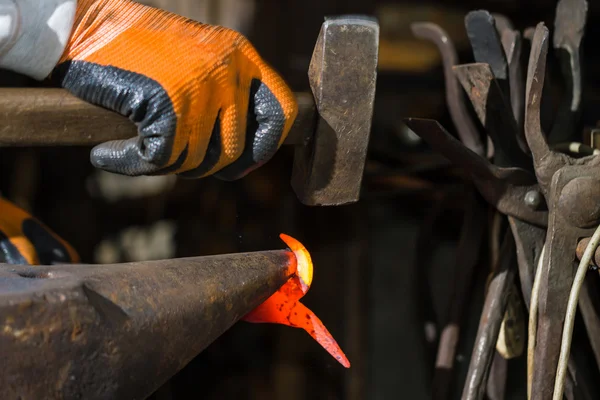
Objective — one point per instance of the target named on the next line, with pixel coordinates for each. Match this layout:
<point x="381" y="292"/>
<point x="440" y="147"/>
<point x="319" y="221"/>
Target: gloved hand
<point x="25" y="240"/>
<point x="203" y="99"/>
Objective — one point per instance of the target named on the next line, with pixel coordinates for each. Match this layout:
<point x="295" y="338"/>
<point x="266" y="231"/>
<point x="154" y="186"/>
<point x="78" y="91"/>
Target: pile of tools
<point x="543" y="186"/>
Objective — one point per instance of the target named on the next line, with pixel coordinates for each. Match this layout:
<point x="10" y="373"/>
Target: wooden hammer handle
<point x="54" y="117"/>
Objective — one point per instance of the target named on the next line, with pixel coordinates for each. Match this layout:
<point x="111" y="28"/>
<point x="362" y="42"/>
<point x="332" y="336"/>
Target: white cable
<point x="565" y="348"/>
<point x="533" y="310"/>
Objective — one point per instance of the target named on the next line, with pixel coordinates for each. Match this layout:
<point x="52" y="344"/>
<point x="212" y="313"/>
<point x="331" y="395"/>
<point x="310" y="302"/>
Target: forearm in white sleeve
<point x="34" y="34"/>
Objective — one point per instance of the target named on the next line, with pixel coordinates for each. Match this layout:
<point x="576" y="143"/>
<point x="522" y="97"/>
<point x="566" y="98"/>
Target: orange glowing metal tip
<point x="284" y="306"/>
<point x="303" y="261"/>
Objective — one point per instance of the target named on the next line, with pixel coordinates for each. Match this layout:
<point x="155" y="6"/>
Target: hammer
<point x="331" y="132"/>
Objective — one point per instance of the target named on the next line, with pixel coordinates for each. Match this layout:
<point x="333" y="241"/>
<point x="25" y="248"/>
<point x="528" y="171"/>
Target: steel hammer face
<point x="328" y="168"/>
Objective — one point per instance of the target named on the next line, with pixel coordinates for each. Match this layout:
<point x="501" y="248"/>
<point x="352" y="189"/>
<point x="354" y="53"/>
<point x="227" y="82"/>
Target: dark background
<point x="364" y="289"/>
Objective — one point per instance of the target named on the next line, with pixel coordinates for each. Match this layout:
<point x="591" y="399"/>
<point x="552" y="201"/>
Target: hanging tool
<point x="511" y="43"/>
<point x="472" y="233"/>
<point x="487" y="46"/>
<point x="483" y="28"/>
<point x="569" y="27"/>
<point x="570" y="186"/>
<point x="331" y="132"/>
<point x="467" y="131"/>
<point x="471" y="237"/>
<point x="557" y="197"/>
<point x="485" y="94"/>
<point x="504" y="188"/>
<point x="493" y="312"/>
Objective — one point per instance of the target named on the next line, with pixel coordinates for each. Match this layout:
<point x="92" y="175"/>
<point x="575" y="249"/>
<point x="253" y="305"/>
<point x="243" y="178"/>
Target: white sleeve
<point x="34" y="34"/>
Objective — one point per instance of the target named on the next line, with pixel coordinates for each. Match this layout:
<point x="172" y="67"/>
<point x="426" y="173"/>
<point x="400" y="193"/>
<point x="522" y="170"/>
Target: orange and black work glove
<point x="25" y="240"/>
<point x="204" y="101"/>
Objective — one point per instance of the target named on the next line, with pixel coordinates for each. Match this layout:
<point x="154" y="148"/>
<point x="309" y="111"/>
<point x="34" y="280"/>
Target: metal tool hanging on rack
<point x="547" y="196"/>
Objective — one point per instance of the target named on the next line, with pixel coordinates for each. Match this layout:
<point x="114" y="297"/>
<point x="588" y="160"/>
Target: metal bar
<point x="590" y="316"/>
<point x="504" y="188"/>
<point x="487" y="45"/>
<point x="496" y="385"/>
<point x="120" y="331"/>
<point x="495" y="113"/>
<point x="461" y="118"/>
<point x="54" y="117"/>
<point x="491" y="319"/>
<point x="588" y="302"/>
<point x="467" y="257"/>
<point x="569" y="28"/>
<point x="529" y="241"/>
<point x="423" y="261"/>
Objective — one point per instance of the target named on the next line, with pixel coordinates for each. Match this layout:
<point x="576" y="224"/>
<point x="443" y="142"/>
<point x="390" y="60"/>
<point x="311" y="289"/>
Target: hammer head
<point x="328" y="169"/>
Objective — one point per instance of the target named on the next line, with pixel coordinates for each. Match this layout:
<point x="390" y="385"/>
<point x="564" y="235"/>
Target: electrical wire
<point x="532" y="331"/>
<point x="565" y="348"/>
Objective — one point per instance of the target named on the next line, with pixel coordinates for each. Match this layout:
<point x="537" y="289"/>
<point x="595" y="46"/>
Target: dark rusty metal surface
<point x="54" y="117"/>
<point x="557" y="278"/>
<point x="487" y="48"/>
<point x="588" y="306"/>
<point x="561" y="197"/>
<point x="581" y="248"/>
<point x="512" y="44"/>
<point x="427" y="239"/>
<point x="467" y="131"/>
<point x="487" y="44"/>
<point x="569" y="27"/>
<point x="504" y="188"/>
<point x="589" y="300"/>
<point x="503" y="23"/>
<point x="495" y="113"/>
<point x="467" y="257"/>
<point x="545" y="162"/>
<point x="496" y="43"/>
<point x="342" y="75"/>
<point x="496" y="385"/>
<point x="120" y="331"/>
<point x="529" y="241"/>
<point x="568" y="184"/>
<point x="491" y="319"/>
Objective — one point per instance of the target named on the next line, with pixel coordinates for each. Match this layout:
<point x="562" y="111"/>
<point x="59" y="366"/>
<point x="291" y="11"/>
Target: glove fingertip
<point x="134" y="157"/>
<point x="104" y="155"/>
<point x="117" y="156"/>
<point x="96" y="159"/>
